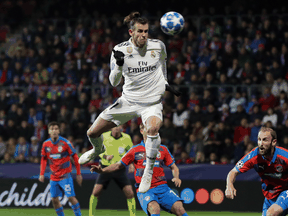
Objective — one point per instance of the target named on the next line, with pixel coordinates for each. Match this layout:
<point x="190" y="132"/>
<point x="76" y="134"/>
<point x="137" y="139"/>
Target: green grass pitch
<point x="69" y="212"/>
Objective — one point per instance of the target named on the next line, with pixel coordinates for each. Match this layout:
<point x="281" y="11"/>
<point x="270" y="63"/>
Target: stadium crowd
<point x="59" y="72"/>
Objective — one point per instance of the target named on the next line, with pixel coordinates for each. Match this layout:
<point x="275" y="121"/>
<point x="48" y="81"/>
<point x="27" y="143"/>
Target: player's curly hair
<point x="134" y="18"/>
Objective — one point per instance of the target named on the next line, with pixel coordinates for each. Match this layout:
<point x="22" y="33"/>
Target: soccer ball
<point x="172" y="23"/>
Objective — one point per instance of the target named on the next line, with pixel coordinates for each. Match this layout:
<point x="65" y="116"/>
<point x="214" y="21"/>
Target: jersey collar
<point x="274" y="156"/>
<point x="55" y="141"/>
<point x="142" y="143"/>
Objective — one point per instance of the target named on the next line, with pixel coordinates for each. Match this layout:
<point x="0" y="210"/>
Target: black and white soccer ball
<point x="172" y="23"/>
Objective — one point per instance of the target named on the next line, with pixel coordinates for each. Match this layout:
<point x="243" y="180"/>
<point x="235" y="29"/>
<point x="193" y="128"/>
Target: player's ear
<point x="274" y="142"/>
<point x="130" y="32"/>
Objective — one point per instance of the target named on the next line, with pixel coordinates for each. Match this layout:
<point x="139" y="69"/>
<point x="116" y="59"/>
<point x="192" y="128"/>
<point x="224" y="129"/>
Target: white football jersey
<point x="144" y="71"/>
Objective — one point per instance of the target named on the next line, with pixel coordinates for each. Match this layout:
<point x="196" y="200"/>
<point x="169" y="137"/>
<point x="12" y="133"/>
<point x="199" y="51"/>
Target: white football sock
<point x="151" y="146"/>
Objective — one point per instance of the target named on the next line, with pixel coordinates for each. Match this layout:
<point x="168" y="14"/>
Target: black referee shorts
<point x="120" y="177"/>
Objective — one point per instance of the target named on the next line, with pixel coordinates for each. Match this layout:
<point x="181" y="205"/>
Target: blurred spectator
<point x="2" y="148"/>
<point x="213" y="158"/>
<point x="184" y="158"/>
<point x="167" y="131"/>
<point x="26" y="130"/>
<point x="241" y="131"/>
<point x="236" y="118"/>
<point x="267" y="100"/>
<point x="200" y="157"/>
<point x="196" y="115"/>
<point x="235" y="101"/>
<point x="193" y="146"/>
<point x="270" y="116"/>
<point x="180" y="115"/>
<point x="22" y="150"/>
<point x="255" y="130"/>
<point x="34" y="151"/>
<point x="7" y="159"/>
<point x="279" y="85"/>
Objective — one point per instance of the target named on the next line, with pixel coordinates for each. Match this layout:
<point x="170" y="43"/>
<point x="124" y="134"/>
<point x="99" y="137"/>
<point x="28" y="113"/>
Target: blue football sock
<point x="76" y="209"/>
<point x="59" y="211"/>
<point x="155" y="214"/>
<point x="185" y="214"/>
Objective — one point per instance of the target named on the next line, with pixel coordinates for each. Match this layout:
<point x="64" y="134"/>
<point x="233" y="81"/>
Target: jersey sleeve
<point x="128" y="158"/>
<point x="116" y="71"/>
<point x="71" y="150"/>
<point x="43" y="151"/>
<point x="168" y="159"/>
<point x="246" y="162"/>
<point x="163" y="59"/>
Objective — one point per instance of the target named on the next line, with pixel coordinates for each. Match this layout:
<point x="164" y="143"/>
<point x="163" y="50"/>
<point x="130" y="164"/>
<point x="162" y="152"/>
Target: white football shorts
<point x="122" y="111"/>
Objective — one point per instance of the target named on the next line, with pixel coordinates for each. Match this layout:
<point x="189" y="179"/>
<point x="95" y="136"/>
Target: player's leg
<point x="55" y="191"/>
<point x="280" y="206"/>
<point x="178" y="209"/>
<point x="122" y="180"/>
<point x="154" y="208"/>
<point x="99" y="126"/>
<point x="118" y="113"/>
<point x="170" y="201"/>
<point x="101" y="184"/>
<point x="68" y="187"/>
<point x="153" y="119"/>
<point x="145" y="199"/>
<point x="98" y="188"/>
<point x="128" y="191"/>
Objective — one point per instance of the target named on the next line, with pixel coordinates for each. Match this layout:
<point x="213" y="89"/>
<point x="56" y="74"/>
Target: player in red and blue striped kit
<point x="159" y="194"/>
<point x="58" y="150"/>
<point x="271" y="163"/>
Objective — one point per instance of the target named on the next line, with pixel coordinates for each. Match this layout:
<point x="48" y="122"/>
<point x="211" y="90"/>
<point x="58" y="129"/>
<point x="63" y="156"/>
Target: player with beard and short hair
<point x="271" y="163"/>
<point x="142" y="63"/>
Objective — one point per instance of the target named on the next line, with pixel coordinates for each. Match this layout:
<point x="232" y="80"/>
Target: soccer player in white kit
<point x="142" y="62"/>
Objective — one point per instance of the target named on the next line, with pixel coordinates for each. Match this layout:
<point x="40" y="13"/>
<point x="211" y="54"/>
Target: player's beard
<point x="266" y="152"/>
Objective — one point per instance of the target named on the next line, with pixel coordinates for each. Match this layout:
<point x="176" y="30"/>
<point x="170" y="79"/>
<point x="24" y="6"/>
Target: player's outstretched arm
<point x="79" y="178"/>
<point x="230" y="191"/>
<point x="175" y="171"/>
<point x="43" y="165"/>
<point x="109" y="169"/>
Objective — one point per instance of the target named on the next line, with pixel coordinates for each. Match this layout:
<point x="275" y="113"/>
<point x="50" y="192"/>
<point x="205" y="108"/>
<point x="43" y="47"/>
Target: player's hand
<point x="230" y="192"/>
<point x="172" y="90"/>
<point x="79" y="179"/>
<point x="119" y="56"/>
<point x="109" y="157"/>
<point x="95" y="168"/>
<point x="41" y="178"/>
<point x="177" y="182"/>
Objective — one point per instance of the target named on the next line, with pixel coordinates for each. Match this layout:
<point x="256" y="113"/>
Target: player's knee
<point x="152" y="131"/>
<point x="154" y="208"/>
<point x="274" y="212"/>
<point x="55" y="200"/>
<point x="130" y="194"/>
<point x="178" y="208"/>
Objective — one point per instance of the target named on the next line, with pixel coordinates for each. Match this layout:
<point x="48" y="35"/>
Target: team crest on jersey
<point x="147" y="198"/>
<point x="153" y="54"/>
<point x="60" y="148"/>
<point x="48" y="149"/>
<point x="129" y="50"/>
<point x="279" y="168"/>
